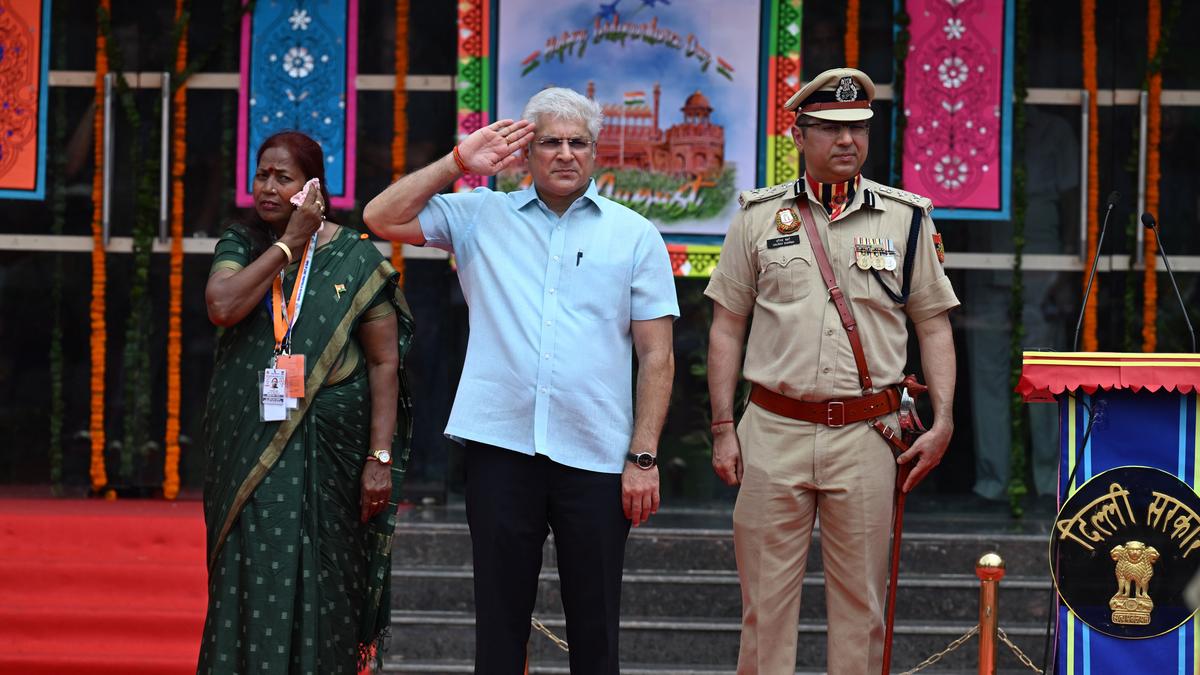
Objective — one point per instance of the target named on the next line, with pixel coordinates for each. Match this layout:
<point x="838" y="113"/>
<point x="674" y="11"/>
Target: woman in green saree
<point x="300" y="512"/>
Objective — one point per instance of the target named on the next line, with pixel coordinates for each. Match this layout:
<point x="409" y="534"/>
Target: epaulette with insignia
<point x="912" y="199"/>
<point x="748" y="197"/>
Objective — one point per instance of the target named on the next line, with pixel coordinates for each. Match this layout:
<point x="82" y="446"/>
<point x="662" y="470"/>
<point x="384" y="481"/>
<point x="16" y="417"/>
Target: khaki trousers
<point x="793" y="472"/>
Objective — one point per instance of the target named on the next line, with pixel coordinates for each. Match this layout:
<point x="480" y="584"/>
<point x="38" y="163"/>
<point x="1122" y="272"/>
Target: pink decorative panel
<point x="957" y="99"/>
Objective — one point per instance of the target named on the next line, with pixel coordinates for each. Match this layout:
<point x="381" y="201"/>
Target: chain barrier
<point x="932" y="659"/>
<point x="541" y="628"/>
<point x="958" y="642"/>
<point x="1017" y="650"/>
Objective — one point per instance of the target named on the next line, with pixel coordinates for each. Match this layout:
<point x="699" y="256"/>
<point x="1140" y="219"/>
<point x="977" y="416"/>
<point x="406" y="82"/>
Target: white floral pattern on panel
<point x="298" y="62"/>
<point x="950" y="172"/>
<point x="300" y="19"/>
<point x="955" y="79"/>
<point x="952" y="72"/>
<point x="954" y="29"/>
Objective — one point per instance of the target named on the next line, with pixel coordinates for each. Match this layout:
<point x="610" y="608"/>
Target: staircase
<point x="681" y="603"/>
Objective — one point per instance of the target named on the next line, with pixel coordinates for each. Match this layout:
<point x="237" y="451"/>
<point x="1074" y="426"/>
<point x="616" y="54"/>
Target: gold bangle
<point x="286" y="251"/>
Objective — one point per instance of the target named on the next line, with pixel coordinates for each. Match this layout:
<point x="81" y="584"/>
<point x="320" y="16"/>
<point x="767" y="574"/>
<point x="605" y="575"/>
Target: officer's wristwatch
<point x="381" y="456"/>
<point x="644" y="460"/>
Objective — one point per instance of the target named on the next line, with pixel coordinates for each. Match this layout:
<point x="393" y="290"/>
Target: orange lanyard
<point x="284" y="318"/>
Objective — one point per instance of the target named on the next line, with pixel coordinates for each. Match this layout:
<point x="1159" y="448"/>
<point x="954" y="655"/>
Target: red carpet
<point x="96" y="587"/>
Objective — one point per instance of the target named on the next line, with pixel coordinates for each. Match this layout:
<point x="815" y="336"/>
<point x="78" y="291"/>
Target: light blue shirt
<point x="549" y="358"/>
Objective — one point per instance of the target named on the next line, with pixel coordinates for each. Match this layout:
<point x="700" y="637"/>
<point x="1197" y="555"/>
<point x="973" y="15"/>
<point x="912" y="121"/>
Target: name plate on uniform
<point x="1123" y="549"/>
<point x="780" y="242"/>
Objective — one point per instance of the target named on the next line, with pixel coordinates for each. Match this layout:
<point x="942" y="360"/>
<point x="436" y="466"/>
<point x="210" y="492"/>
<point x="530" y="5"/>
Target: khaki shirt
<point x="797" y="345"/>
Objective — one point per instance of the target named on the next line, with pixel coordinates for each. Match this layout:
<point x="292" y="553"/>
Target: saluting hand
<point x="491" y="149"/>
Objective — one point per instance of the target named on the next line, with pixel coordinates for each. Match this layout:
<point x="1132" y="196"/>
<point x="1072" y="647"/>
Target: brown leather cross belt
<point x="830" y="413"/>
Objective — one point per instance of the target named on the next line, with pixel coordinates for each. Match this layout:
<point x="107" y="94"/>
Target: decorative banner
<point x="299" y="61"/>
<point x="693" y="260"/>
<point x="474" y="75"/>
<point x="693" y="109"/>
<point x="958" y="101"/>
<point x="24" y="79"/>
<point x="782" y="162"/>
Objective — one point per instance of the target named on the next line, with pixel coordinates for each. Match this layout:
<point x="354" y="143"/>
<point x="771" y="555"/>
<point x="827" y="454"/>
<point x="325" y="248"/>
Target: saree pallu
<point x="297" y="584"/>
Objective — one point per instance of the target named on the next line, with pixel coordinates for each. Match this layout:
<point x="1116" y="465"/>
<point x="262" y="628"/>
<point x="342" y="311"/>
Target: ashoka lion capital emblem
<point x="1135" y="565"/>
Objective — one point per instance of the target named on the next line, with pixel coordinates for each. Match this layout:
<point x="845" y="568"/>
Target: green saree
<point x="297" y="584"/>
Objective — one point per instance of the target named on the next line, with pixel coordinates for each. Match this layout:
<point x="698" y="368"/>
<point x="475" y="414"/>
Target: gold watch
<point x="383" y="456"/>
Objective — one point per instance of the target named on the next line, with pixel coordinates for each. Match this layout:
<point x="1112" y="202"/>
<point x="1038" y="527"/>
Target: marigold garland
<point x="1088" y="8"/>
<point x="852" y="34"/>
<point x="400" y="116"/>
<point x="175" y="306"/>
<point x="98" y="340"/>
<point x="1153" y="138"/>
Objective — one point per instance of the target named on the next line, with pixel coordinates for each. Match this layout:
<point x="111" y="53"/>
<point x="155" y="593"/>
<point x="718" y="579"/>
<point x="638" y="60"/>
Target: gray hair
<point x="565" y="104"/>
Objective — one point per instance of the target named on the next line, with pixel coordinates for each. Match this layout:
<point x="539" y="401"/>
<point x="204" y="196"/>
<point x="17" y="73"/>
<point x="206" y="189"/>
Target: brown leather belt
<point x="834" y="413"/>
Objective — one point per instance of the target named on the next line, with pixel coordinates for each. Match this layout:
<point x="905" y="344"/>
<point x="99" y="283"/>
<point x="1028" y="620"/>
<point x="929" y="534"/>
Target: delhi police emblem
<point x="846" y="90"/>
<point x="786" y="221"/>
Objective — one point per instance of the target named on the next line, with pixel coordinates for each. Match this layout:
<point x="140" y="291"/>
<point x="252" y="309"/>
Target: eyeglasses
<point x="551" y="144"/>
<point x="834" y="130"/>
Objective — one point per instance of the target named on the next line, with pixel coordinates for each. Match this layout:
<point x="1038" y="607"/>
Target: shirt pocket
<point x="866" y="288"/>
<point x="599" y="290"/>
<point x="784" y="273"/>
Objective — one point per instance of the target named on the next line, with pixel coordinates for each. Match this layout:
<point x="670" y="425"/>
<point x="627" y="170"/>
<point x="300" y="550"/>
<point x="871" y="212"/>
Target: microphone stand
<point x="1149" y="222"/>
<point x="1112" y="201"/>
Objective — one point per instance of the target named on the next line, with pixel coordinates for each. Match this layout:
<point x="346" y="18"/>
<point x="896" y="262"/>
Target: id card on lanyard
<point x="285" y="375"/>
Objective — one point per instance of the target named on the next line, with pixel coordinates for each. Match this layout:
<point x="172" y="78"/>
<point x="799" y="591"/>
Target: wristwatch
<point x="644" y="460"/>
<point x="381" y="456"/>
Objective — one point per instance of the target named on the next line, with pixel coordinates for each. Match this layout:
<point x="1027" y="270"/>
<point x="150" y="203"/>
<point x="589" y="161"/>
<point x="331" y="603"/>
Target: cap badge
<point x="846" y="90"/>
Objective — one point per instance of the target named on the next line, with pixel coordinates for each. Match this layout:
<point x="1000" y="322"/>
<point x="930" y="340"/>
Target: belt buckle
<point x="840" y="416"/>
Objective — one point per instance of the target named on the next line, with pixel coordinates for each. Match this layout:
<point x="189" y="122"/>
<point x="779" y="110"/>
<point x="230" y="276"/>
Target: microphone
<point x="1148" y="222"/>
<point x="1113" y="198"/>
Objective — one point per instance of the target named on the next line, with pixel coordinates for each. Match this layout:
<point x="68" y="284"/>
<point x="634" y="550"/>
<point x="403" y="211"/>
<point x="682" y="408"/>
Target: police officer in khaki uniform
<point x="805" y="445"/>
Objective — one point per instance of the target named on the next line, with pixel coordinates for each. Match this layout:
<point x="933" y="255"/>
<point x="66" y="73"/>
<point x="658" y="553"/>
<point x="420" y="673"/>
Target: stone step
<point x="433" y="667"/>
<point x="717" y="594"/>
<point x="448" y="638"/>
<point x="677" y="549"/>
<point x="396" y="665"/>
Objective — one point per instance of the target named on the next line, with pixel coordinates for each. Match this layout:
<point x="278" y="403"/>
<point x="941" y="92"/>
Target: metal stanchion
<point x="990" y="570"/>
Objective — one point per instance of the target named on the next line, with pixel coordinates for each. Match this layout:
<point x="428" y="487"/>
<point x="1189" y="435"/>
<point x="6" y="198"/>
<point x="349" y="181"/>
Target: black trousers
<point x="513" y="501"/>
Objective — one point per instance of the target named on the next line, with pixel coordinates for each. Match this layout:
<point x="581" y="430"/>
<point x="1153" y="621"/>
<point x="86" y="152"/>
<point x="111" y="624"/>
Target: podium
<point x="1127" y="537"/>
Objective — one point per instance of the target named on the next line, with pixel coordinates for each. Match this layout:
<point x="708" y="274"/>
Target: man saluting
<point x="562" y="285"/>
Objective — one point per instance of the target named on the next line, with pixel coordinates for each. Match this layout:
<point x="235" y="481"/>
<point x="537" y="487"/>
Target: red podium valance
<point x="1046" y="374"/>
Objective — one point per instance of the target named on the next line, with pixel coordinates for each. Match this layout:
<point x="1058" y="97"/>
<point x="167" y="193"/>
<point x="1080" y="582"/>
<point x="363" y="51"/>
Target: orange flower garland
<point x="175" y="306"/>
<point x="99" y="273"/>
<point x="852" y="34"/>
<point x="1153" y="138"/>
<point x="1093" y="196"/>
<point x="400" y="116"/>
